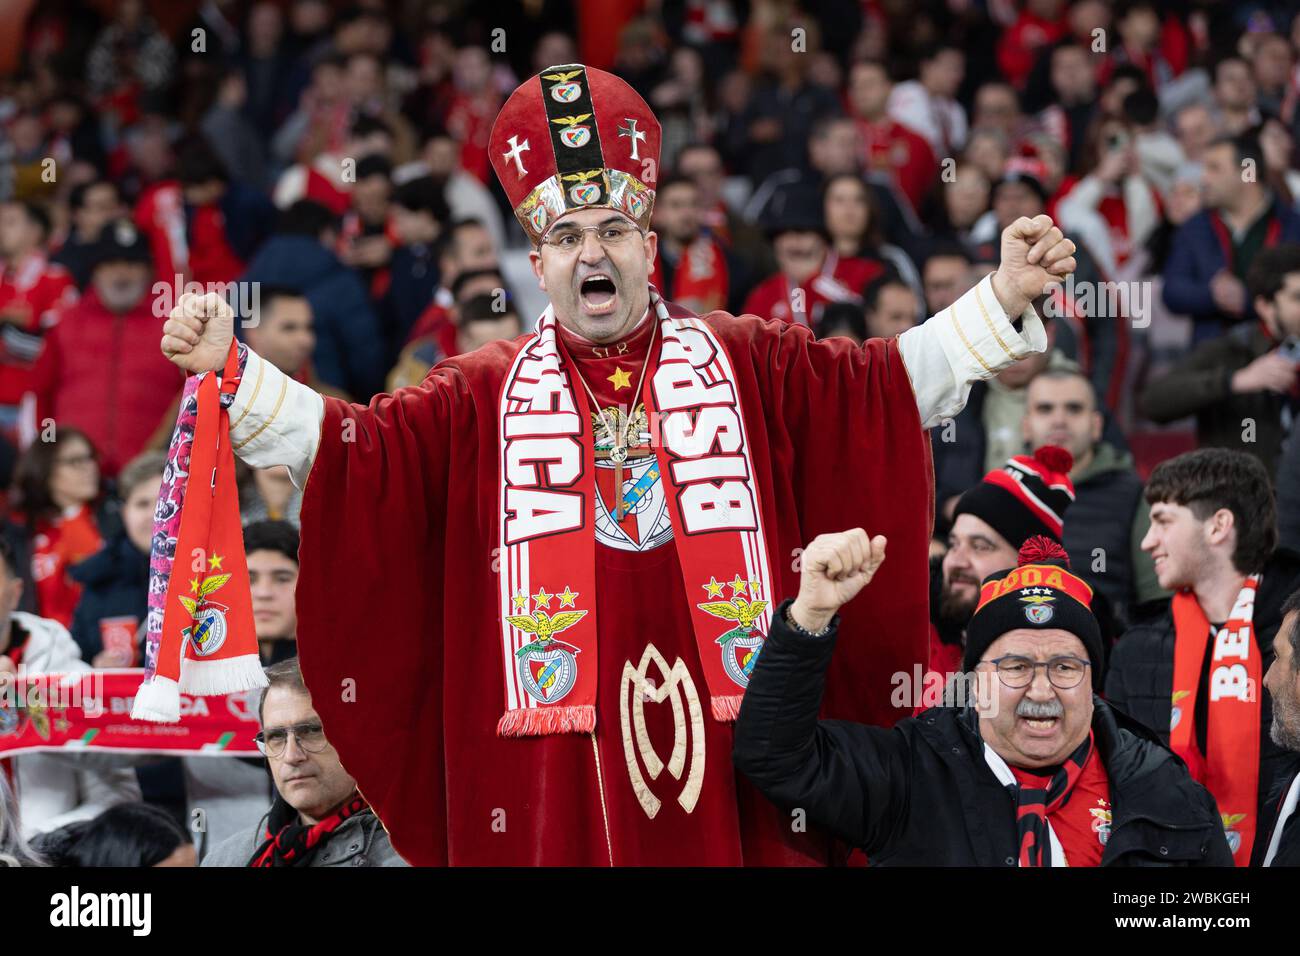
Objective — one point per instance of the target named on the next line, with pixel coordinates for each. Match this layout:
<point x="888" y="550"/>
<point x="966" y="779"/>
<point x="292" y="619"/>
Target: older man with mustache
<point x="1087" y="786"/>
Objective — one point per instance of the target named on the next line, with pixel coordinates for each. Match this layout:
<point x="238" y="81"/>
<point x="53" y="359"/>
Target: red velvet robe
<point x="398" y="596"/>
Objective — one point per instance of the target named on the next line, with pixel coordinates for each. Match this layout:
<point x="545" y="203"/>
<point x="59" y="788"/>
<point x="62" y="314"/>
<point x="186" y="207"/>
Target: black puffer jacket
<point x="921" y="794"/>
<point x="1140" y="680"/>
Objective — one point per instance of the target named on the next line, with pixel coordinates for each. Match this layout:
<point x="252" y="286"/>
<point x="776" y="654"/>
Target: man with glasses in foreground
<point x="318" y="817"/>
<point x="1087" y="786"/>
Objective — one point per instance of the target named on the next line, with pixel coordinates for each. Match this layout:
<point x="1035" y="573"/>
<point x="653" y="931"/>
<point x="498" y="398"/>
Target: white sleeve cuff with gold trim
<point x="970" y="341"/>
<point x="275" y="420"/>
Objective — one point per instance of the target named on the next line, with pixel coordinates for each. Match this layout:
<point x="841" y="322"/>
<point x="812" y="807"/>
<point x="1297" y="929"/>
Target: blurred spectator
<point x="945" y="276"/>
<point x="890" y="150"/>
<point x="130" y="65"/>
<point x="115" y="581"/>
<point x="1108" y="518"/>
<point x="127" y="835"/>
<point x="479" y="317"/>
<point x="1234" y="96"/>
<point x="691" y="267"/>
<point x="1040" y="23"/>
<point x="846" y="319"/>
<point x="474" y="105"/>
<point x="467" y="197"/>
<point x="1242" y="386"/>
<point x="891" y="306"/>
<point x="1112" y="208"/>
<point x="235" y="140"/>
<point x="283" y="332"/>
<point x="272" y="549"/>
<point x="317" y="818"/>
<point x="420" y="214"/>
<point x="1278" y="831"/>
<point x="1074" y="82"/>
<point x="1213" y="251"/>
<point x="1195" y="129"/>
<point x="349" y="350"/>
<point x="810" y="274"/>
<point x="365" y="243"/>
<point x="93" y="205"/>
<point x="100" y="370"/>
<point x="58" y="484"/>
<point x="465" y="250"/>
<point x="14" y="848"/>
<point x="1213" y="525"/>
<point x="1158" y="50"/>
<point x="928" y="105"/>
<point x="32" y="290"/>
<point x="853" y="224"/>
<point x="54" y="789"/>
<point x="203" y="225"/>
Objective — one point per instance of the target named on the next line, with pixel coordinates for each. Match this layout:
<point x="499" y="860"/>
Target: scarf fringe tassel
<point x="228" y="676"/>
<point x="536" y="721"/>
<point x="727" y="709"/>
<point x="157" y="700"/>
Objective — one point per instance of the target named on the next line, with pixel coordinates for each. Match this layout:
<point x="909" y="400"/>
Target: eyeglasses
<point x="570" y="238"/>
<point x="1063" y="672"/>
<point x="76" y="461"/>
<point x="310" y="737"/>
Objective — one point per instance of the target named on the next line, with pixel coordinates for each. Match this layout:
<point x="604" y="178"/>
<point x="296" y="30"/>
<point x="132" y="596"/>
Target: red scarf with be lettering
<point x="1230" y="767"/>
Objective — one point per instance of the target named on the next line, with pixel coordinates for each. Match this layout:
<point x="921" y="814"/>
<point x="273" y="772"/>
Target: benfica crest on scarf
<point x="201" y="634"/>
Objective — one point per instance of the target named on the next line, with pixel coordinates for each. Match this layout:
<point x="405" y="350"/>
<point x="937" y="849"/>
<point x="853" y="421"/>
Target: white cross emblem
<point x="633" y="133"/>
<point x="516" y="150"/>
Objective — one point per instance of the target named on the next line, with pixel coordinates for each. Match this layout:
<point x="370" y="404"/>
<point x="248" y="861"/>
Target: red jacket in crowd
<point x="104" y="373"/>
<point x="30" y="297"/>
<point x="840" y="280"/>
<point x="193" y="245"/>
<point x="57" y="545"/>
<point x="891" y="148"/>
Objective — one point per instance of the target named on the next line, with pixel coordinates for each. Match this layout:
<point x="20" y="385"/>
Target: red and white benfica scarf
<point x="547" y="535"/>
<point x="1230" y="768"/>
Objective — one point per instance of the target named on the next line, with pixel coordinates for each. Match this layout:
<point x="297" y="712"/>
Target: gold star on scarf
<point x="521" y="602"/>
<point x="567" y="597"/>
<point x="214" y="562"/>
<point x="621" y="379"/>
<point x="713" y="588"/>
<point x="737" y="586"/>
<point x="194" y="585"/>
<point x="542" y="599"/>
<point x="753" y="589"/>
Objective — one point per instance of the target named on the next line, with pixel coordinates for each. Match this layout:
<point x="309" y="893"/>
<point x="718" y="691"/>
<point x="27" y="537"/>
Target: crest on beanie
<point x="574" y="137"/>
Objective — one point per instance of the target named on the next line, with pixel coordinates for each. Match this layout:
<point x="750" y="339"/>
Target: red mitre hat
<point x="574" y="137"/>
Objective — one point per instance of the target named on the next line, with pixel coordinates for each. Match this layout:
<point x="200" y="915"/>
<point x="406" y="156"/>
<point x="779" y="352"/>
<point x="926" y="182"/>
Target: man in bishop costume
<point x="533" y="587"/>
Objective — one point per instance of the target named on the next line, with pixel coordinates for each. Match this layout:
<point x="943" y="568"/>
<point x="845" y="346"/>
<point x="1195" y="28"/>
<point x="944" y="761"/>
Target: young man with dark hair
<point x="891" y="306"/>
<point x="272" y="549"/>
<point x="1241" y="386"/>
<point x="92" y="205"/>
<point x="1193" y="671"/>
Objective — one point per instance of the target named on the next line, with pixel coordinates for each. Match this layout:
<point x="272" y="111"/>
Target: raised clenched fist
<point x="835" y="567"/>
<point x="1034" y="255"/>
<point x="198" y="333"/>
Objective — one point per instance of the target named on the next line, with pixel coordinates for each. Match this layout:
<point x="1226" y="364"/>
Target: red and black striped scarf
<point x="289" y="842"/>
<point x="1041" y="794"/>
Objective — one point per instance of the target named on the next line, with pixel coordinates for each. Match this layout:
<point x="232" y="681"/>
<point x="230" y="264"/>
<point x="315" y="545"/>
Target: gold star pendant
<point x="214" y="562"/>
<point x="621" y="379"/>
<point x="713" y="588"/>
<point x="542" y="599"/>
<point x="567" y="597"/>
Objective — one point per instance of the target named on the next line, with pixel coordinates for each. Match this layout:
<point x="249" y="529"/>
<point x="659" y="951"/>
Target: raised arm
<point x="274" y="419"/>
<point x="976" y="337"/>
<point x="848" y="777"/>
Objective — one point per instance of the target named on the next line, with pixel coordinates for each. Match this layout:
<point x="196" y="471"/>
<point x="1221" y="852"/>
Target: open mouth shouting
<point x="598" y="294"/>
